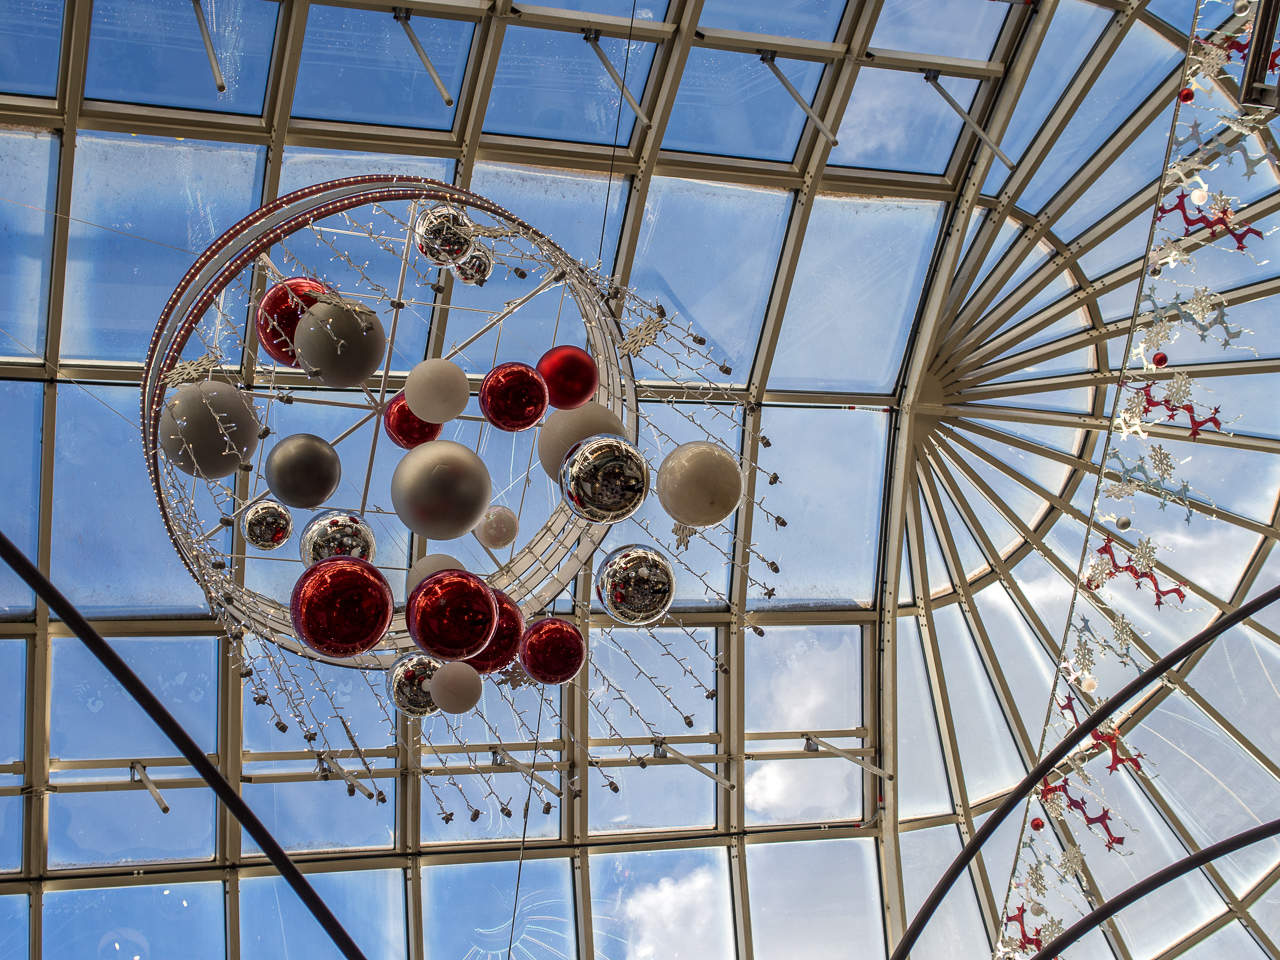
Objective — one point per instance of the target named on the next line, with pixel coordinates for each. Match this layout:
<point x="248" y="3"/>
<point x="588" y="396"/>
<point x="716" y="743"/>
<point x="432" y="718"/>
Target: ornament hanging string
<point x="524" y="830"/>
<point x="617" y="126"/>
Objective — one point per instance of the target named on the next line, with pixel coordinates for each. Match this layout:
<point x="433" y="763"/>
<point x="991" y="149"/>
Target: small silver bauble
<point x="475" y="270"/>
<point x="604" y="478"/>
<point x="1123" y="523"/>
<point x="208" y="429"/>
<point x="636" y="585"/>
<point x="409" y="685"/>
<point x="444" y="235"/>
<point x="267" y="525"/>
<point x="335" y="533"/>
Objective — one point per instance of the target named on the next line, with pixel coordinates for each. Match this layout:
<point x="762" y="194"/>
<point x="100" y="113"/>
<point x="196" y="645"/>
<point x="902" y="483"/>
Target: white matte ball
<point x="341" y="343"/>
<point x="498" y="528"/>
<point x="1241" y="7"/>
<point x="1199" y="196"/>
<point x="437" y="391"/>
<point x="699" y="484"/>
<point x="455" y="687"/>
<point x="564" y="428"/>
<point x="208" y="429"/>
<point x="441" y="490"/>
<point x="431" y="563"/>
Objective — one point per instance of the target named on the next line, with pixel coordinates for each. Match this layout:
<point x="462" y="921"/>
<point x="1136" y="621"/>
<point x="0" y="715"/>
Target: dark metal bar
<point x="1056" y="755"/>
<point x="1254" y="89"/>
<point x="1154" y="882"/>
<point x="64" y="609"/>
<point x="208" y="47"/>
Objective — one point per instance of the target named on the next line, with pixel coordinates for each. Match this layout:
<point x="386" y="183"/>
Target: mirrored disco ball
<point x="337" y="534"/>
<point x="267" y="524"/>
<point x="444" y="235"/>
<point x="636" y="585"/>
<point x="477" y="267"/>
<point x="604" y="478"/>
<point x="409" y="685"/>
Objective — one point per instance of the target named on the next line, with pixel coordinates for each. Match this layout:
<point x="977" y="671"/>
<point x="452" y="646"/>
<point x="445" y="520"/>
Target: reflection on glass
<point x="804" y="679"/>
<point x="647" y="10"/>
<point x="21" y="410"/>
<point x="369" y="903"/>
<point x="810" y="790"/>
<point x="127" y="826"/>
<point x="135" y="923"/>
<point x="957" y="28"/>
<point x="812" y="20"/>
<point x="151" y="51"/>
<point x="13" y="667"/>
<point x="360" y="66"/>
<point x="30" y="42"/>
<point x="666" y="903"/>
<point x="956" y="930"/>
<point x="30" y="162"/>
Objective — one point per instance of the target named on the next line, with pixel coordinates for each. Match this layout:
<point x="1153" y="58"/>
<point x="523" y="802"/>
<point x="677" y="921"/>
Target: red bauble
<point x="1186" y="94"/>
<point x="341" y="606"/>
<point x="1160" y="359"/>
<point x="552" y="651"/>
<point x="506" y="639"/>
<point x="451" y="615"/>
<point x="404" y="429"/>
<point x="513" y="397"/>
<point x="279" y="312"/>
<point x="571" y="375"/>
<point x="1037" y="824"/>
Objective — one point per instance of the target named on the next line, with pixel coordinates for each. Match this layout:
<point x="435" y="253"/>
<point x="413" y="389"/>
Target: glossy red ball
<point x="513" y="397"/>
<point x="552" y="651"/>
<point x="571" y="375"/>
<point x="1160" y="359"/>
<point x="341" y="606"/>
<point x="502" y="649"/>
<point x="451" y="615"/>
<point x="1186" y="94"/>
<point x="279" y="311"/>
<point x="1037" y="824"/>
<point x="405" y="429"/>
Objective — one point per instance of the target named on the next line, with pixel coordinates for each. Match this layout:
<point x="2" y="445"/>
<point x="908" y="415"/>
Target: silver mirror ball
<point x="208" y="429"/>
<point x="267" y="525"/>
<point x="409" y="685"/>
<point x="336" y="533"/>
<point x="636" y="585"/>
<point x="604" y="479"/>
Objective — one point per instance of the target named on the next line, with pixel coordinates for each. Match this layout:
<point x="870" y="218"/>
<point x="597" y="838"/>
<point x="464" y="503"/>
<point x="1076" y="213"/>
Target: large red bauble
<point x="571" y="375"/>
<point x="405" y="429"/>
<point x="341" y="606"/>
<point x="503" y="647"/>
<point x="552" y="651"/>
<point x="279" y="312"/>
<point x="451" y="615"/>
<point x="513" y="397"/>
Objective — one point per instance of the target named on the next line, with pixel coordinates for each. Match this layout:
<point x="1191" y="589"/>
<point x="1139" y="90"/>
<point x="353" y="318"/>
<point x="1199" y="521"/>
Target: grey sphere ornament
<point x="336" y="533"/>
<point x="342" y="343"/>
<point x="456" y="687"/>
<point x="636" y="585"/>
<point x="1241" y="8"/>
<point x="208" y="429"/>
<point x="266" y="525"/>
<point x="699" y="484"/>
<point x="444" y="235"/>
<point x="409" y="685"/>
<point x="426" y="566"/>
<point x="1123" y="523"/>
<point x="604" y="479"/>
<point x="303" y="470"/>
<point x="564" y="428"/>
<point x="441" y="490"/>
<point x="437" y="391"/>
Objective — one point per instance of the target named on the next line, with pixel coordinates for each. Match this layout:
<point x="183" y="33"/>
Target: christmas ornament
<point x="564" y="428"/>
<point x="444" y="235"/>
<point x="604" y="479"/>
<point x="699" y="484"/>
<point x="636" y="585"/>
<point x="451" y="615"/>
<point x="498" y="528"/>
<point x="266" y="525"/>
<point x="1037" y="824"/>
<point x="341" y="607"/>
<point x="1200" y="196"/>
<point x="502" y="649"/>
<point x="1160" y="360"/>
<point x="513" y="397"/>
<point x="456" y="687"/>
<point x="1186" y="94"/>
<point x="404" y="429"/>
<point x="207" y="429"/>
<point x="1240" y="8"/>
<point x="431" y="563"/>
<point x="552" y="651"/>
<point x="342" y="343"/>
<point x="477" y="267"/>
<point x="278" y="313"/>
<point x="441" y="490"/>
<point x="1123" y="523"/>
<point x="437" y="391"/>
<point x="303" y="470"/>
<point x="409" y="685"/>
<point x="337" y="534"/>
<point x="571" y="376"/>
<point x="1088" y="684"/>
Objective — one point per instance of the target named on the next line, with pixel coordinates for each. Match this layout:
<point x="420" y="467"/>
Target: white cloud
<point x="678" y="919"/>
<point x="784" y="791"/>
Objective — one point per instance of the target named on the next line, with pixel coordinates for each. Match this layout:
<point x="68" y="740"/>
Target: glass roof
<point x="917" y="347"/>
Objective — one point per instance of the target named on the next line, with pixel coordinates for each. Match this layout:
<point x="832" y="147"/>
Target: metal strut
<point x="767" y="57"/>
<point x="1254" y="89"/>
<point x="208" y="47"/>
<point x="662" y="749"/>
<point x="931" y="78"/>
<point x="812" y="744"/>
<point x="402" y="17"/>
<point x="138" y="770"/>
<point x="593" y="37"/>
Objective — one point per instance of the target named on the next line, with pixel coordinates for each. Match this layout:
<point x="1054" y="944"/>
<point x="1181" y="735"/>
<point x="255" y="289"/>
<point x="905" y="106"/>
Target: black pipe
<point x="1055" y="756"/>
<point x="140" y="692"/>
<point x="1155" y="882"/>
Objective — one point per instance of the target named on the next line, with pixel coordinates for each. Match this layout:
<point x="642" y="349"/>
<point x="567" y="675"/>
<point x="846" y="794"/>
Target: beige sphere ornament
<point x="208" y="429"/>
<point x="441" y="490"/>
<point x="455" y="687"/>
<point x="564" y="428"/>
<point x="498" y="528"/>
<point x="699" y="484"/>
<point x="340" y="343"/>
<point x="437" y="391"/>
<point x="431" y="563"/>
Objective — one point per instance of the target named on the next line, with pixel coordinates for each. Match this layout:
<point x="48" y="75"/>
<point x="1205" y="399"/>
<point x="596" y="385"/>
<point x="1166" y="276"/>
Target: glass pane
<point x="30" y="42"/>
<point x="320" y="815"/>
<point x="135" y="923"/>
<point x="303" y="166"/>
<point x="127" y="826"/>
<point x="922" y="779"/>
<point x="151" y="51"/>
<point x="692" y="230"/>
<point x="13" y="667"/>
<point x="812" y="20"/>
<point x="666" y="695"/>
<point x="468" y="910"/>
<point x="815" y="900"/>
<point x="812" y="790"/>
<point x="21" y="410"/>
<point x="10" y="838"/>
<point x="666" y="903"/>
<point x="804" y="679"/>
<point x="1232" y="942"/>
<point x="956" y="930"/>
<point x="360" y="66"/>
<point x="30" y="162"/>
<point x="648" y="10"/>
<point x="14" y="930"/>
<point x="179" y="195"/>
<point x="730" y="103"/>
<point x="369" y="903"/>
<point x="871" y="253"/>
<point x="662" y="796"/>
<point x="956" y="28"/>
<point x="550" y="84"/>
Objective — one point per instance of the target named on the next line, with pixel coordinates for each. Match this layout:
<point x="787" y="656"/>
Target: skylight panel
<point x="334" y="820"/>
<point x="303" y="166"/>
<point x="923" y="790"/>
<point x="30" y="44"/>
<point x="14" y="913"/>
<point x="631" y="9"/>
<point x="174" y="919"/>
<point x="368" y="903"/>
<point x="953" y="28"/>
<point x="806" y="19"/>
<point x="30" y="163"/>
<point x="957" y="931"/>
<point x="667" y="796"/>
<point x="1027" y="667"/>
<point x="127" y="826"/>
<point x="21" y="416"/>
<point x="620" y="652"/>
